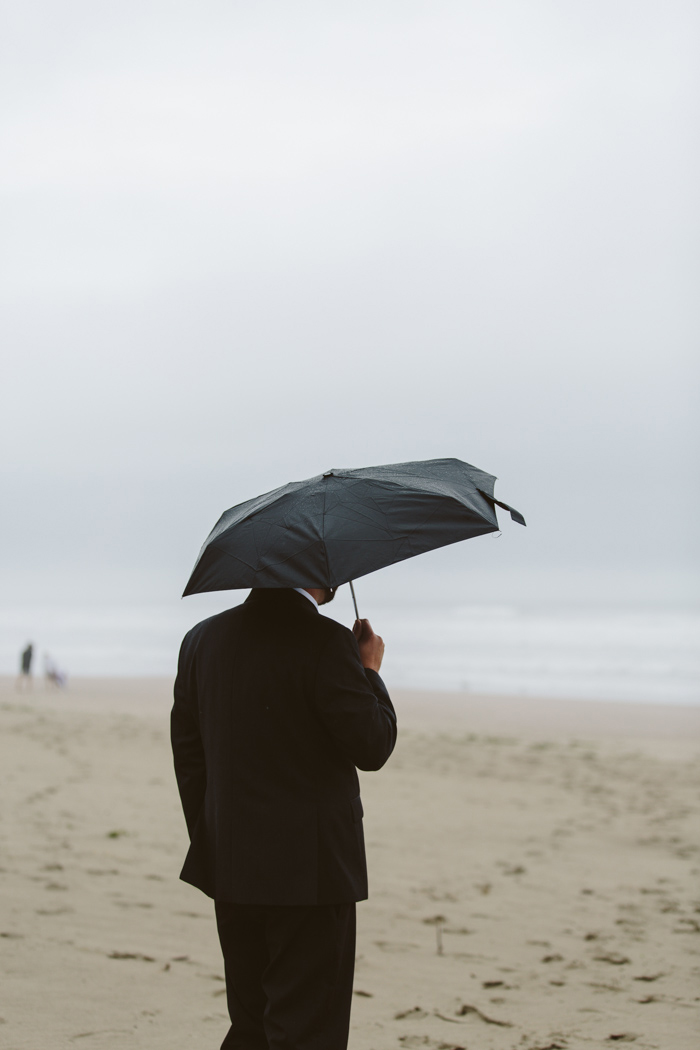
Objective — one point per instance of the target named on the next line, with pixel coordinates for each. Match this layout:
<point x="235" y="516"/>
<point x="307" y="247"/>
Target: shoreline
<point x="422" y="710"/>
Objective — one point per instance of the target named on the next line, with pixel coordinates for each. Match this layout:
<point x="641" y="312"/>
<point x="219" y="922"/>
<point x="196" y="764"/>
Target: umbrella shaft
<point x="354" y="600"/>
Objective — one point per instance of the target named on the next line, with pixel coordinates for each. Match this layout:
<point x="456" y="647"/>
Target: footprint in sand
<point x="513" y="869"/>
<point x="131" y="955"/>
<point x="436" y="895"/>
<point x="687" y="926"/>
<point x="613" y="958"/>
<point x="102" y="1031"/>
<point x="466" y="1009"/>
<point x="425" y="1040"/>
<point x="395" y="947"/>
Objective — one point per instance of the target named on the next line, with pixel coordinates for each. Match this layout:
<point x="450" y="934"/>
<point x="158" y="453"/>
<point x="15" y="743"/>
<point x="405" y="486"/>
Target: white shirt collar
<point x="306" y="594"/>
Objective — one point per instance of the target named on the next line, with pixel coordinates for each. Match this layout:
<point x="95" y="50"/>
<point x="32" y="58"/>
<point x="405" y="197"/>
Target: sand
<point x="534" y="878"/>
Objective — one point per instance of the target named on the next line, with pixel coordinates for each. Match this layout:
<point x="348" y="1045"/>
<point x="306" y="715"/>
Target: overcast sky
<point x="245" y="242"/>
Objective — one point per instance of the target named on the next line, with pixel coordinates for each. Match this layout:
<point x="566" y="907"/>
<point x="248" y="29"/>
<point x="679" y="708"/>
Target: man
<point x="275" y="707"/>
<point x="24" y="678"/>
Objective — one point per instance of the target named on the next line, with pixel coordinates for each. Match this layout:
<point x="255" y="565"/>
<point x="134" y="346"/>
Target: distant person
<point x="54" y="675"/>
<point x="24" y="679"/>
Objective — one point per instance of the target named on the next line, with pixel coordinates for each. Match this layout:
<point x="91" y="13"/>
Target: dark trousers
<point x="289" y="973"/>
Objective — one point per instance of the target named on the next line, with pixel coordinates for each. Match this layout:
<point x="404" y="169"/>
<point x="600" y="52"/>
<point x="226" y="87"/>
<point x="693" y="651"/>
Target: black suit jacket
<point x="273" y="711"/>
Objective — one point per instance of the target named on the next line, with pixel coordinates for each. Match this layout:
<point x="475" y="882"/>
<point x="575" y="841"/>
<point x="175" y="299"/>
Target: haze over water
<point x="438" y="636"/>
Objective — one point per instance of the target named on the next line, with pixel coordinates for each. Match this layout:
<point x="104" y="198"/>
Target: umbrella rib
<point x="282" y="561"/>
<point x="323" y="536"/>
<point x="281" y="492"/>
<point x="368" y="522"/>
<point x="432" y="514"/>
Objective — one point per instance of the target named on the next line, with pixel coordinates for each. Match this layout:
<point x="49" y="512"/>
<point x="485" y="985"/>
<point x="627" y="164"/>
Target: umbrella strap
<point x="515" y="514"/>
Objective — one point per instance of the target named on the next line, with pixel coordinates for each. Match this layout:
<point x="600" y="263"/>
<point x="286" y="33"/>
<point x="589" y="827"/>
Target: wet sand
<point x="534" y="878"/>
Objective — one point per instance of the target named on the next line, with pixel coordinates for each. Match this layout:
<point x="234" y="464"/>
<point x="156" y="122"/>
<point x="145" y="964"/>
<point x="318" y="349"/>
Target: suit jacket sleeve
<point x="188" y="752"/>
<point x="353" y="704"/>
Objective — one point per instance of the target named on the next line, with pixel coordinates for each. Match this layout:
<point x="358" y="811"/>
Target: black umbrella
<point x="343" y="524"/>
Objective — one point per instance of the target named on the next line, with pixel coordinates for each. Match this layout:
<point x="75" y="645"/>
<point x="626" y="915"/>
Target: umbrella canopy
<point x="343" y="524"/>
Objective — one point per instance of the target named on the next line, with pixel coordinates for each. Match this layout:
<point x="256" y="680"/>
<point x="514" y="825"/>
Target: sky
<point x="248" y="242"/>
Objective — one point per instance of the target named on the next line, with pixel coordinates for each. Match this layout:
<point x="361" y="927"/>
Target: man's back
<point x="273" y="711"/>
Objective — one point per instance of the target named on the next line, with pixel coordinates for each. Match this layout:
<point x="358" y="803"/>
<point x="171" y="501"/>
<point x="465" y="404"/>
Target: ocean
<point x="579" y="653"/>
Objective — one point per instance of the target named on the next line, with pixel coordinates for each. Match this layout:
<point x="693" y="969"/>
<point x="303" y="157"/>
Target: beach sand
<point x="534" y="878"/>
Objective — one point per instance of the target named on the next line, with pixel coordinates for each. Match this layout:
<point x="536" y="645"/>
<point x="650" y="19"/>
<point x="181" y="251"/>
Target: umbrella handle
<point x="354" y="599"/>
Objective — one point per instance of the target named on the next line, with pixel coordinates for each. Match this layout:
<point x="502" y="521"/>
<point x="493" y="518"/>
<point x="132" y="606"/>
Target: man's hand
<point x="371" y="645"/>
